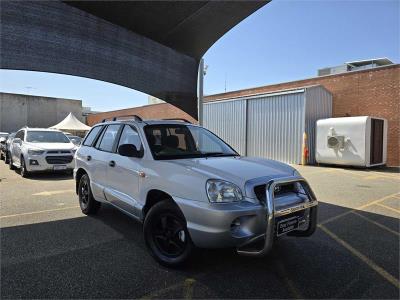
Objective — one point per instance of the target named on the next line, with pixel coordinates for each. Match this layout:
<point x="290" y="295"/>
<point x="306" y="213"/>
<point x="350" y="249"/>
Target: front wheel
<point x="24" y="172"/>
<point x="166" y="234"/>
<point x="10" y="163"/>
<point x="88" y="204"/>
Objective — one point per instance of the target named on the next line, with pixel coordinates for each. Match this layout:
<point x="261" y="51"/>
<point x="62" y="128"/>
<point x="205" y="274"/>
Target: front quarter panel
<point x="175" y="180"/>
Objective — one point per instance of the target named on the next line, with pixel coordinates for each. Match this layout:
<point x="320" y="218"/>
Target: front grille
<point x="58" y="151"/>
<point x="280" y="190"/>
<point x="55" y="160"/>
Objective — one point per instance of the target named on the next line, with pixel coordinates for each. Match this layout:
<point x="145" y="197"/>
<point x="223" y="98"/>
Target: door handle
<point x="111" y="163"/>
<point x="88" y="158"/>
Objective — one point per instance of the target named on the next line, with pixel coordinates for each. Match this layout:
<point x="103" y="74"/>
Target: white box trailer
<point x="352" y="141"/>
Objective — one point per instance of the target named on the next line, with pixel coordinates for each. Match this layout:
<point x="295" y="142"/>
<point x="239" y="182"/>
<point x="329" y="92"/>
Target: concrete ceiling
<point x="190" y="27"/>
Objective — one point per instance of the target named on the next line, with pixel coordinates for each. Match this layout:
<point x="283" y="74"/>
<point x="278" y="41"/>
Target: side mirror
<point x="128" y="150"/>
<point x="17" y="141"/>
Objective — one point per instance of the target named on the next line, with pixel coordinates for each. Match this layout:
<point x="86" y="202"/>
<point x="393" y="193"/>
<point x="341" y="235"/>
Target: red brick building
<point x="372" y="92"/>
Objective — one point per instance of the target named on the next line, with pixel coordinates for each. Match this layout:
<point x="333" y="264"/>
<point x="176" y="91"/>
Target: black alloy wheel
<point x="24" y="173"/>
<point x="166" y="234"/>
<point x="87" y="202"/>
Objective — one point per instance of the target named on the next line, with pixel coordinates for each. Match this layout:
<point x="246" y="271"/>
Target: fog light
<point x="33" y="162"/>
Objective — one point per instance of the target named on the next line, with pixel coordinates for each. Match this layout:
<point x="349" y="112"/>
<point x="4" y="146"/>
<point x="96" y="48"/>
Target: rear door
<point x="100" y="157"/>
<point x="123" y="174"/>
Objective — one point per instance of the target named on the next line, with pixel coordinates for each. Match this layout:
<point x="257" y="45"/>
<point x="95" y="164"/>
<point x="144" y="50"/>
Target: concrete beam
<point x="58" y="38"/>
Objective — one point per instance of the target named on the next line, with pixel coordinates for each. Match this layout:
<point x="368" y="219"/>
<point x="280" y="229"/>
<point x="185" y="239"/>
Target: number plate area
<point x="60" y="167"/>
<point x="287" y="225"/>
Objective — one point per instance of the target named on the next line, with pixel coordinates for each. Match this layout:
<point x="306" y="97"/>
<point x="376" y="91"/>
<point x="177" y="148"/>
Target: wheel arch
<point x="154" y="196"/>
<point x="79" y="173"/>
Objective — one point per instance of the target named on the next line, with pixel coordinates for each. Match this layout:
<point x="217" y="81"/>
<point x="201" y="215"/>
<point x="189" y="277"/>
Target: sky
<point x="283" y="41"/>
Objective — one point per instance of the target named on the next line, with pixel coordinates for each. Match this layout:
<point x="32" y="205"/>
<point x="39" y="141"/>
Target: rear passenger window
<point x="91" y="136"/>
<point x="130" y="136"/>
<point x="108" y="138"/>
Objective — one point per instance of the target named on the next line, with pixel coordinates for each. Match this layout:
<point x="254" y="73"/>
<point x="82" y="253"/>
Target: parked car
<point x="5" y="150"/>
<point x="3" y="139"/>
<point x="76" y="140"/>
<point x="191" y="189"/>
<point x="38" y="149"/>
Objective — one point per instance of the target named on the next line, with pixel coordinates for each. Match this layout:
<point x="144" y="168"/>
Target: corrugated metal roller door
<point x="275" y="127"/>
<point x="227" y="119"/>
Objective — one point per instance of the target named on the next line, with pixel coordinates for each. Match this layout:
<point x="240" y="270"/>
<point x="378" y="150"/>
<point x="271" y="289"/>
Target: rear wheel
<point x="166" y="234"/>
<point x="24" y="172"/>
<point x="88" y="204"/>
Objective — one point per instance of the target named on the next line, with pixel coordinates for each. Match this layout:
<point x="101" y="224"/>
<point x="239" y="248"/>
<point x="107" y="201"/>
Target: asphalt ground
<point x="49" y="249"/>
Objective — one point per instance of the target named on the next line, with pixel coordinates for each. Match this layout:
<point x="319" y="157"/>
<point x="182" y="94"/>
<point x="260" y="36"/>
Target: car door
<point x="16" y="146"/>
<point x="123" y="174"/>
<point x="100" y="157"/>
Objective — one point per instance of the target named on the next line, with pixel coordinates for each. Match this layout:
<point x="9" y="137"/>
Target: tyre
<point x="166" y="234"/>
<point x="88" y="204"/>
<point x="10" y="163"/>
<point x="23" y="171"/>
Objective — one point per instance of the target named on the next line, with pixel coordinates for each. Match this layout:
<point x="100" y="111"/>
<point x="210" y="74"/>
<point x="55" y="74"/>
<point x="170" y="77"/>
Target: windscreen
<point x="46" y="137"/>
<point x="183" y="141"/>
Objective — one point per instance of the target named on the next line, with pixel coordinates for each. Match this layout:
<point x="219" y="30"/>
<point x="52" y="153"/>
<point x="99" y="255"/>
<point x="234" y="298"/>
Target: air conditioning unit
<point x="335" y="141"/>
<point x="351" y="141"/>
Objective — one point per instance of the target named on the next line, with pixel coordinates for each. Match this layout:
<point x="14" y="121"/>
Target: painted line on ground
<point x="388" y="207"/>
<point x="38" y="212"/>
<point x="357" y="208"/>
<point x="377" y="224"/>
<point x="51" y="193"/>
<point x="188" y="288"/>
<point x="295" y="293"/>
<point x="382" y="272"/>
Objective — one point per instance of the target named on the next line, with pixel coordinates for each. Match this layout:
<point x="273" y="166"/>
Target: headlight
<point x="220" y="191"/>
<point x="35" y="152"/>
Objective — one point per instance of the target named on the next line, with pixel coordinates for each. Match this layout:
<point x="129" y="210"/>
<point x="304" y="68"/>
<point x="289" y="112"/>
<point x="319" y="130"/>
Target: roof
<point x="379" y="61"/>
<point x="189" y="27"/>
<point x="71" y="123"/>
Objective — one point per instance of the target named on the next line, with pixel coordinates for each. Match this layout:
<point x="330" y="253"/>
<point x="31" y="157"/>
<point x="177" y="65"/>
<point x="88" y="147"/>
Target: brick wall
<point x="374" y="92"/>
<point x="156" y="111"/>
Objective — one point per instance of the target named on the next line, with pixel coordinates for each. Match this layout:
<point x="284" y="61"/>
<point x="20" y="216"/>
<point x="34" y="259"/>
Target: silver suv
<point x="40" y="149"/>
<point x="189" y="188"/>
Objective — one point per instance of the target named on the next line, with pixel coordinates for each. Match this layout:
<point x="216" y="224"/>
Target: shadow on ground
<point x="105" y="257"/>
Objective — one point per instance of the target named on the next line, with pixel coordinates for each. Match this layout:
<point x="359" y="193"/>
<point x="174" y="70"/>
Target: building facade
<point x="371" y="92"/>
<point x="155" y="111"/>
<point x="17" y="110"/>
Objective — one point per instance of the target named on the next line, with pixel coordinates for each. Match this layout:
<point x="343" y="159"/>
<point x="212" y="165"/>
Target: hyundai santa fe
<point x="191" y="189"/>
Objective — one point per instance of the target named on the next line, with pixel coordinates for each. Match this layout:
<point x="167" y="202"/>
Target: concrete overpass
<point x="150" y="46"/>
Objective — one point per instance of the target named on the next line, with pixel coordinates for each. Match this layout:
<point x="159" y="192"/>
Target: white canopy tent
<point x="71" y="124"/>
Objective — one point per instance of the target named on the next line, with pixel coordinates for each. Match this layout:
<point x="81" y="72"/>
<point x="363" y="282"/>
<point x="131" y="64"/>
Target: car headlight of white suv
<point x="221" y="191"/>
<point x="35" y="152"/>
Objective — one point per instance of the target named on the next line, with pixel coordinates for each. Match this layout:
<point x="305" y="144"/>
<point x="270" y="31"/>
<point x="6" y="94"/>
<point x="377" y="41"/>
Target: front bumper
<point x="248" y="226"/>
<point x="38" y="163"/>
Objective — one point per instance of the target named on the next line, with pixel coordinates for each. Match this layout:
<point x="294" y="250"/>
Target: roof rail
<point x="178" y="119"/>
<point x="135" y="118"/>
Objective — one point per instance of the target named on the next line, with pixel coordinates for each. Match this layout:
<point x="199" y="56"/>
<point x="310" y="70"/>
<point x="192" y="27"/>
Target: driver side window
<point x="130" y="136"/>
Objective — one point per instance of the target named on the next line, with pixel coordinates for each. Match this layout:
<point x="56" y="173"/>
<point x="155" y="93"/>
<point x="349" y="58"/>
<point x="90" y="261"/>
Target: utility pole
<point x="202" y="72"/>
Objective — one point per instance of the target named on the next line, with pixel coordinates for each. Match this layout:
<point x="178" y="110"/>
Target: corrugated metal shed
<point x="270" y="125"/>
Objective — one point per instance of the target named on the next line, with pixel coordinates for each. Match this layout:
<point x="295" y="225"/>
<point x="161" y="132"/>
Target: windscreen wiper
<point x="216" y="154"/>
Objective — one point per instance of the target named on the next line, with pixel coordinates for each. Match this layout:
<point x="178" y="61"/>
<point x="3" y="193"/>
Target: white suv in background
<point x="39" y="149"/>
